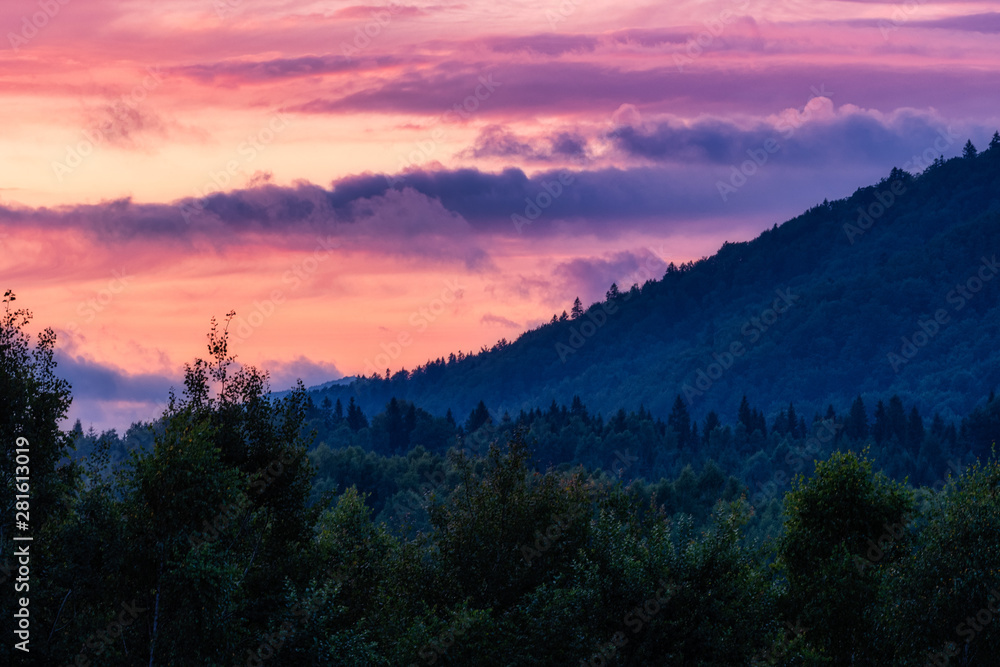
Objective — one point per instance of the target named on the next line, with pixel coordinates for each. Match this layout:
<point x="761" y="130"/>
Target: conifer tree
<point x="356" y="419"/>
<point x="857" y="421"/>
<point x="915" y="429"/>
<point x="680" y="421"/>
<point x="711" y="423"/>
<point x="880" y="429"/>
<point x="744" y="415"/>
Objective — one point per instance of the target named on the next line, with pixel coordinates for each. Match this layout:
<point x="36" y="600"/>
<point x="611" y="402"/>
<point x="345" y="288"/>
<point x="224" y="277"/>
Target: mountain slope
<point x="817" y="310"/>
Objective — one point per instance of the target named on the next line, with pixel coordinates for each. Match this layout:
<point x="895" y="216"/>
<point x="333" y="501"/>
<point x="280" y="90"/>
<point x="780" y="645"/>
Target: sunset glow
<point x="346" y="177"/>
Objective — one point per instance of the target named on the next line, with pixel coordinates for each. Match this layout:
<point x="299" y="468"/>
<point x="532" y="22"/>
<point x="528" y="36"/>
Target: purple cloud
<point x="560" y="87"/>
<point x="497" y="320"/>
<point x="284" y="374"/>
<point x="262" y="71"/>
<point x="988" y="22"/>
<point x="591" y="277"/>
<point x="103" y="382"/>
<point x="497" y="141"/>
<point x="818" y="136"/>
<point x="547" y="44"/>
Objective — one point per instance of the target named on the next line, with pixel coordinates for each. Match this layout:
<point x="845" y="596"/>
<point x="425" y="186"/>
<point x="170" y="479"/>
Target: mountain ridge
<point x="879" y="262"/>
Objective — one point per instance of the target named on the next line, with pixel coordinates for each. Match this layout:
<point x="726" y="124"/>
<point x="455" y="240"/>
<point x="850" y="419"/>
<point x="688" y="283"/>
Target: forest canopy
<point x="238" y="528"/>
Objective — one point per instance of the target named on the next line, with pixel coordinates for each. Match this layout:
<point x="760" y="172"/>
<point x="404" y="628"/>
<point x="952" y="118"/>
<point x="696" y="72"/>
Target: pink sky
<point x="168" y="162"/>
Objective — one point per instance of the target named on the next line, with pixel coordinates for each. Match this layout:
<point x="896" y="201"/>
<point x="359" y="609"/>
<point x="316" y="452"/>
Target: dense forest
<point x="404" y="449"/>
<point x="224" y="534"/>
<point x="889" y="291"/>
<point x="819" y="502"/>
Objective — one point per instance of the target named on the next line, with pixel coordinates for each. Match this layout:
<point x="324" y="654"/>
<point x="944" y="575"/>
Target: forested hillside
<point x="803" y="503"/>
<point x="218" y="538"/>
<point x="890" y="291"/>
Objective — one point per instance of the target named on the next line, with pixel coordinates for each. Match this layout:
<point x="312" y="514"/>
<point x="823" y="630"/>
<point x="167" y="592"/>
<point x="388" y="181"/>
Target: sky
<point x="370" y="186"/>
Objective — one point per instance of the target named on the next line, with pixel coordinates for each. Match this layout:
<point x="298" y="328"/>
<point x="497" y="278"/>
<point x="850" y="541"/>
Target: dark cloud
<point x="497" y="141"/>
<point x="448" y="216"/>
<point x="569" y="145"/>
<point x="394" y="221"/>
<point x="284" y="374"/>
<point x="603" y="202"/>
<point x="593" y="276"/>
<point x="102" y="382"/>
<point x="443" y="216"/>
<point x="816" y="136"/>
<point x="712" y="140"/>
<point x="106" y="395"/>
